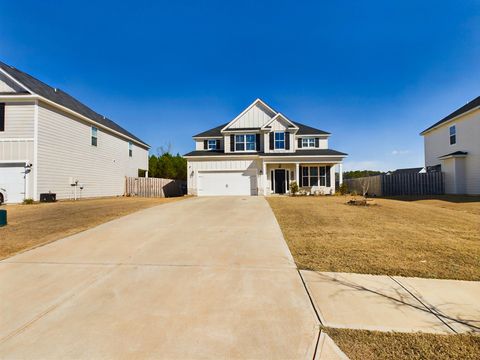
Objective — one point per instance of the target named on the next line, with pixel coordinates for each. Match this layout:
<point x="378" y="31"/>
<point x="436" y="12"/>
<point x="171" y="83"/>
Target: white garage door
<point x="12" y="181"/>
<point x="224" y="183"/>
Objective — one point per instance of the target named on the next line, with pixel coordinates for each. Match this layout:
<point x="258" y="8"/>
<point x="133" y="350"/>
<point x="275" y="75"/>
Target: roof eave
<point x="448" y="121"/>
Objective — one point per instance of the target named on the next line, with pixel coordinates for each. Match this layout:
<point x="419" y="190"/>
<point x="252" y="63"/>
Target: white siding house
<point x="46" y="144"/>
<point x="261" y="152"/>
<point x="452" y="145"/>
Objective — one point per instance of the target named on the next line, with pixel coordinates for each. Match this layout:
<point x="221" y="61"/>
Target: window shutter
<point x="299" y="143"/>
<point x="272" y="141"/>
<point x="218" y="144"/>
<point x="327" y="175"/>
<point x="2" y="116"/>
<point x="317" y="142"/>
<point x="257" y="139"/>
<point x="232" y="143"/>
<point x="287" y="140"/>
<point x="205" y="144"/>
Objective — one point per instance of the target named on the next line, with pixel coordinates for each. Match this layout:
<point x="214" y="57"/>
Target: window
<point x="245" y="142"/>
<point x="314" y="176"/>
<point x="308" y="142"/>
<point x="212" y="145"/>
<point x="130" y="149"/>
<point x="453" y="135"/>
<point x="279" y="140"/>
<point x="94" y="136"/>
<point x="2" y="116"/>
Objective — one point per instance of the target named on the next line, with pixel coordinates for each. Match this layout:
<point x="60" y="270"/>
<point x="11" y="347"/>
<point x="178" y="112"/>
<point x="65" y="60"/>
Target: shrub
<point x="27" y="201"/>
<point x="343" y="189"/>
<point x="294" y="188"/>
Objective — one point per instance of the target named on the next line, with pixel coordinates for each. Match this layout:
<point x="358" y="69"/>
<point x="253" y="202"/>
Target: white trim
<point x="35" y="151"/>
<point x="207" y="137"/>
<point x="16" y="81"/>
<point x="25" y="162"/>
<point x="16" y="139"/>
<point x="257" y="101"/>
<point x="278" y="116"/>
<point x="19" y="97"/>
<point x="449" y="121"/>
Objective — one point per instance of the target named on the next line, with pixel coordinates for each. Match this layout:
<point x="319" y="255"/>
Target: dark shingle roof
<point x="302" y="130"/>
<point x="467" y="107"/>
<point x="62" y="98"/>
<point x="456" y="153"/>
<point x="316" y="152"/>
<point x="408" y="170"/>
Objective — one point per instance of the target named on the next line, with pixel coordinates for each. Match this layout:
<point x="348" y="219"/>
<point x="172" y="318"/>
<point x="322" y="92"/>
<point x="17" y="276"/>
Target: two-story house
<point x="260" y="152"/>
<point x="452" y="145"/>
<point x="51" y="142"/>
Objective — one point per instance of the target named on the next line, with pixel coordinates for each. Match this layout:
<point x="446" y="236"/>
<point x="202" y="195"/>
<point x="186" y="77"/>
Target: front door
<point x="280" y="181"/>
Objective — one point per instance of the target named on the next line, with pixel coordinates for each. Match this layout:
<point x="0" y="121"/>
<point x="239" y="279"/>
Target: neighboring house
<point x="453" y="145"/>
<point x="51" y="142"/>
<point x="261" y="152"/>
<point x="417" y="170"/>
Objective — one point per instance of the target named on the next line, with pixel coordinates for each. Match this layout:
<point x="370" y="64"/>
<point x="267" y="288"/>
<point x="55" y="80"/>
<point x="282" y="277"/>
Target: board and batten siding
<point x="437" y="143"/>
<point x="255" y="117"/>
<point x="196" y="166"/>
<point x="65" y="151"/>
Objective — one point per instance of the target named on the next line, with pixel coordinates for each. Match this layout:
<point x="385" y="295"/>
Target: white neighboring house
<point x="49" y="141"/>
<point x="452" y="145"/>
<point x="261" y="152"/>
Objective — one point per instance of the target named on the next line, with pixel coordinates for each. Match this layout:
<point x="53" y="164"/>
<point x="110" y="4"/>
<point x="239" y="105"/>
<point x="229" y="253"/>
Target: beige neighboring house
<point x="452" y="145"/>
<point x="51" y="142"/>
<point x="260" y="152"/>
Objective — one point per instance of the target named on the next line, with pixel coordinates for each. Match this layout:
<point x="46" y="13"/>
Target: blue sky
<point x="373" y="73"/>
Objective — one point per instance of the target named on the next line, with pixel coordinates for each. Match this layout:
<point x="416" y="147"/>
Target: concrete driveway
<point x="195" y="279"/>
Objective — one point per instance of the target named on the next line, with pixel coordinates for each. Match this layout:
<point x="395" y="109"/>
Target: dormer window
<point x="308" y="142"/>
<point x="279" y="140"/>
<point x="453" y="135"/>
<point x="245" y="142"/>
<point x="212" y="145"/>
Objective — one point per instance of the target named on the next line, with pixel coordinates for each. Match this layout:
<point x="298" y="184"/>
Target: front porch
<point x="312" y="177"/>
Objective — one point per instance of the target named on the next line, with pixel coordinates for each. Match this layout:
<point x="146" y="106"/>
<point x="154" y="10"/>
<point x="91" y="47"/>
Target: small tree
<point x="343" y="189"/>
<point x="365" y="183"/>
<point x="294" y="188"/>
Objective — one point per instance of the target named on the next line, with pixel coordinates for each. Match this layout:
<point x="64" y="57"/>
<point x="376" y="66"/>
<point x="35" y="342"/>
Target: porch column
<point x="297" y="173"/>
<point x="340" y="174"/>
<point x="264" y="178"/>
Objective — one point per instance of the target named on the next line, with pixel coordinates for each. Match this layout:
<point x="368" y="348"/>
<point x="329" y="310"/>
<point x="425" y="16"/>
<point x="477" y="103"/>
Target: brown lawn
<point x="33" y="225"/>
<point x="370" y="345"/>
<point x="426" y="238"/>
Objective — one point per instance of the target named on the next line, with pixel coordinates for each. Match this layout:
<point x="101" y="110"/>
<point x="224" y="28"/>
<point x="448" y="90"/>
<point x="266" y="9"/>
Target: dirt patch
<point x="366" y="345"/>
<point x="33" y="225"/>
<point x="391" y="238"/>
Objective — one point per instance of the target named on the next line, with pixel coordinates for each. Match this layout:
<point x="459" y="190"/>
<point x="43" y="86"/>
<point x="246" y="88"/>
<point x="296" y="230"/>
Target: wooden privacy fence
<point x="154" y="187"/>
<point x="399" y="184"/>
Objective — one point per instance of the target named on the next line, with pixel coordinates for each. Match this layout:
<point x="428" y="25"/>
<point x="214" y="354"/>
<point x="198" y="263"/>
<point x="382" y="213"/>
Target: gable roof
<point x="60" y="97"/>
<point x="278" y="116"/>
<point x="302" y="129"/>
<point x="475" y="103"/>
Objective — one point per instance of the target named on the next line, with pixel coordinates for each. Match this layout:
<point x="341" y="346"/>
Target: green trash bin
<point x="3" y="217"/>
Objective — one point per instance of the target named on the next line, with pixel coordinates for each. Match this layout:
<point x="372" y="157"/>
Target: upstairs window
<point x="212" y="145"/>
<point x="279" y="140"/>
<point x="453" y="135"/>
<point x="130" y="149"/>
<point x="94" y="133"/>
<point x="245" y="142"/>
<point x="308" y="142"/>
<point x="2" y="116"/>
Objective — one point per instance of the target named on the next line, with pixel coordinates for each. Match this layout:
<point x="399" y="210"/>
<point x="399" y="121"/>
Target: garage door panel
<point x="227" y="183"/>
<point x="12" y="180"/>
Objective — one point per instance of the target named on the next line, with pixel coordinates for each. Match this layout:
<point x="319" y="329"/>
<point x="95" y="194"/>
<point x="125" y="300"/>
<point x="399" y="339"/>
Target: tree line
<point x="167" y="166"/>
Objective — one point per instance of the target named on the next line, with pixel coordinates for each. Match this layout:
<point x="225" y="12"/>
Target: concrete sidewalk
<point x="402" y="304"/>
<point x="195" y="279"/>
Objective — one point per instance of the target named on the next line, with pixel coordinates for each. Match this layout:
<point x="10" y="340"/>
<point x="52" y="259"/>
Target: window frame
<point x="130" y="149"/>
<point x="275" y="140"/>
<point x="244" y="143"/>
<point x="452" y="135"/>
<point x="209" y="144"/>
<point x="308" y="143"/>
<point x="94" y="136"/>
<point x="321" y="175"/>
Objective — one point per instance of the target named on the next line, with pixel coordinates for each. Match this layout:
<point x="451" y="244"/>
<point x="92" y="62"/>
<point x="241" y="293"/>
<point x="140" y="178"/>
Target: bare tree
<point x="365" y="183"/>
<point x="164" y="149"/>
